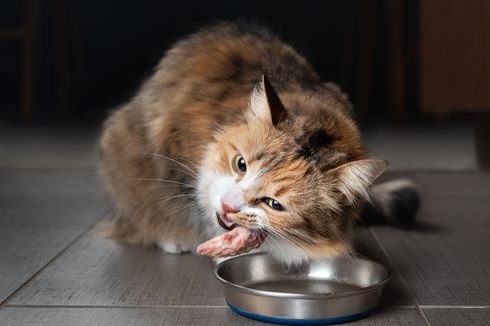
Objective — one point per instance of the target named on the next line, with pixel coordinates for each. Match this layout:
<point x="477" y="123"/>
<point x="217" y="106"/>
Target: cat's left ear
<point x="354" y="178"/>
<point x="265" y="103"/>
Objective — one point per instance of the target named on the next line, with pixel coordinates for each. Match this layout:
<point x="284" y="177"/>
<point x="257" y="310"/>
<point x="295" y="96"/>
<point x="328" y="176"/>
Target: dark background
<point x="401" y="62"/>
<point x="91" y="55"/>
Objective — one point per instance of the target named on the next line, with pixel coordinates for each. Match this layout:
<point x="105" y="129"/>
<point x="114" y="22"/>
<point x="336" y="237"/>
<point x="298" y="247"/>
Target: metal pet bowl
<point x="315" y="293"/>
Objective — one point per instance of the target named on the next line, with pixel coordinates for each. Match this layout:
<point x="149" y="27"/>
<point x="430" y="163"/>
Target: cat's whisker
<point x="293" y="242"/>
<point x="190" y="162"/>
<point x="172" y="160"/>
<point x="269" y="239"/>
<point x="193" y="173"/>
<point x="165" y="199"/>
<point x="289" y="239"/>
<point x="289" y="229"/>
<point x="186" y="172"/>
<point x="193" y="176"/>
<point x="263" y="234"/>
<point x="294" y="232"/>
<point x="276" y="234"/>
<point x="280" y="247"/>
<point x="153" y="187"/>
<point x="181" y="208"/>
<point x="163" y="180"/>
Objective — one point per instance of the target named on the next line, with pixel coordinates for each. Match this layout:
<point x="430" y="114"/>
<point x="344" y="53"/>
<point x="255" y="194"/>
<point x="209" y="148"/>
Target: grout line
<point x="452" y="307"/>
<point x="83" y="233"/>
<point x="424" y="317"/>
<point x="390" y="260"/>
<point x="108" y="306"/>
<point x="402" y="279"/>
<point x="139" y="307"/>
<point x="55" y="306"/>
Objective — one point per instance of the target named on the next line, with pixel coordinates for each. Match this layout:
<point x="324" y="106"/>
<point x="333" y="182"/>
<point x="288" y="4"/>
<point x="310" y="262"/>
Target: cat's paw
<point x="176" y="248"/>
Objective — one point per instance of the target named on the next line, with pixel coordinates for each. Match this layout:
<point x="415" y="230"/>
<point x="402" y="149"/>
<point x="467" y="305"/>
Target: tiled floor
<point x="54" y="271"/>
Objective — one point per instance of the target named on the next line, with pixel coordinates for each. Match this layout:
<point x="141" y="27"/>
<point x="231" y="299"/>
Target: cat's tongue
<point x="235" y="242"/>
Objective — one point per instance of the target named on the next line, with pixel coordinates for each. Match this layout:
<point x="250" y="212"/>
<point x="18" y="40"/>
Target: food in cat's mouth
<point x="225" y="222"/>
<point x="238" y="241"/>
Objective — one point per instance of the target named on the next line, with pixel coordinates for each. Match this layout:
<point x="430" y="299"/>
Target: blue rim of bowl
<point x="289" y="321"/>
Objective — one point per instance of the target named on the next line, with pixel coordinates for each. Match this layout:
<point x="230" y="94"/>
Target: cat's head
<point x="296" y="176"/>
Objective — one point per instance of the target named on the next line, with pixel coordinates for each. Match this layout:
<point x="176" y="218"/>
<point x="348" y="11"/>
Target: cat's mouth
<point x="225" y="222"/>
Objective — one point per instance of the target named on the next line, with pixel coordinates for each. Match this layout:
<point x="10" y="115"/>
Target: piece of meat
<point x="235" y="242"/>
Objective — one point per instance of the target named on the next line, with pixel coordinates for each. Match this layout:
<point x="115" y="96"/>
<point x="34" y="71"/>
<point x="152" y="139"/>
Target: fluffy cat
<point x="235" y="128"/>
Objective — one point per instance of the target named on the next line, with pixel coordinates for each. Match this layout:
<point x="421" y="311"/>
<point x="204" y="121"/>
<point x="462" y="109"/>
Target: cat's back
<point x="205" y="80"/>
<point x="229" y="53"/>
<point x="221" y="63"/>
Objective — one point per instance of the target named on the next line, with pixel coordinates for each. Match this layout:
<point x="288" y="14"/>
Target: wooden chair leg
<point x="29" y="64"/>
<point x="365" y="55"/>
<point x="396" y="59"/>
<point x="60" y="10"/>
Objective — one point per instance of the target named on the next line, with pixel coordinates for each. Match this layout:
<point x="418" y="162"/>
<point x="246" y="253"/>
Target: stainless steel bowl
<point x="314" y="293"/>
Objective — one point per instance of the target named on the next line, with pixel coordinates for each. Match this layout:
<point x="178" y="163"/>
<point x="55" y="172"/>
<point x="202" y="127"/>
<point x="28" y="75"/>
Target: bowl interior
<point x="259" y="271"/>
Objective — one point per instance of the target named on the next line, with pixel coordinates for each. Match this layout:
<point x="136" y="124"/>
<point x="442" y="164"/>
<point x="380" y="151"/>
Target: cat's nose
<point x="232" y="201"/>
<point x="228" y="209"/>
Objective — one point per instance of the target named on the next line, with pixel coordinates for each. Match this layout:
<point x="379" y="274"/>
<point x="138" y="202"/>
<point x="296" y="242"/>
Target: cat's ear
<point x="265" y="103"/>
<point x="355" y="177"/>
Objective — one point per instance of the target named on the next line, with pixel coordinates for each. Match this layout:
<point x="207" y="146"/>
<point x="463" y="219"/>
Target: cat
<point x="235" y="128"/>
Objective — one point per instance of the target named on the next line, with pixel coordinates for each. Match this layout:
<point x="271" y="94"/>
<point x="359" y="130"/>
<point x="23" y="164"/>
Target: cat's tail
<point x="394" y="202"/>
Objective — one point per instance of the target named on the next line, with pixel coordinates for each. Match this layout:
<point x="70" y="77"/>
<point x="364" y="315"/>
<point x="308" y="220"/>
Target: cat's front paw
<point x="176" y="248"/>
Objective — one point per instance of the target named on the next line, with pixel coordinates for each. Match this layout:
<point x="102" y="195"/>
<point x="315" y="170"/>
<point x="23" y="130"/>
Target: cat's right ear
<point x="266" y="104"/>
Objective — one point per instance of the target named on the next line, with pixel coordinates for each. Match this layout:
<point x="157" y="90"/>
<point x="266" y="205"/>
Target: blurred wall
<point x="91" y="55"/>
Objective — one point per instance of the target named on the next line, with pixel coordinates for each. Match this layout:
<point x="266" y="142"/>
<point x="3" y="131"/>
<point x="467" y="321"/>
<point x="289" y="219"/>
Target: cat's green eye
<point x="274" y="204"/>
<point x="239" y="164"/>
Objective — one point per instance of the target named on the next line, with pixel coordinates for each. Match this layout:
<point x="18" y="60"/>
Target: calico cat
<point x="235" y="128"/>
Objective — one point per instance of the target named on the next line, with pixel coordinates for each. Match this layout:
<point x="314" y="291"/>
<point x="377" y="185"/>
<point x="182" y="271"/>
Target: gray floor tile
<point x="442" y="269"/>
<point x="445" y="260"/>
<point x="458" y="317"/>
<point x="168" y="316"/>
<point x="104" y="272"/>
<point x="424" y="147"/>
<point x="48" y="146"/>
<point x="395" y="294"/>
<point x="40" y="214"/>
<point x="50" y="199"/>
<point x="23" y="252"/>
<point x="392" y="316"/>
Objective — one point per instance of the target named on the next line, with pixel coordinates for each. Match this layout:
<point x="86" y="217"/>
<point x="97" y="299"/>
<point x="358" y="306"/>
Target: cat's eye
<point x="239" y="164"/>
<point x="274" y="204"/>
